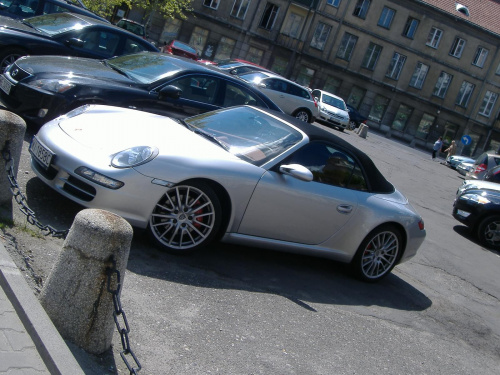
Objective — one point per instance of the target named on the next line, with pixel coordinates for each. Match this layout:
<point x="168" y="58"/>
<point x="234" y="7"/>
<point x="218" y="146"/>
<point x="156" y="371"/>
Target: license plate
<point x="41" y="153"/>
<point x="5" y="85"/>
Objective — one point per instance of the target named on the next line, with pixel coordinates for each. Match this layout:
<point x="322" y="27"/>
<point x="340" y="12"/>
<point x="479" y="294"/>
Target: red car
<point x="180" y="49"/>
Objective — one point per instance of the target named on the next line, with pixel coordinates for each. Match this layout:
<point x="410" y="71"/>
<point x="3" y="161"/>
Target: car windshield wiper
<point x="208" y="136"/>
<point x="115" y="68"/>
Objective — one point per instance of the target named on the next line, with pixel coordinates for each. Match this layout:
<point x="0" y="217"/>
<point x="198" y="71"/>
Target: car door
<point x="276" y="90"/>
<point x="287" y="209"/>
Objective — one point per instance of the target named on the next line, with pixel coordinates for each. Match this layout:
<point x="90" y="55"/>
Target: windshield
<point x="254" y="77"/>
<point x="248" y="133"/>
<point x="144" y="67"/>
<point x="335" y="102"/>
<point x="56" y="23"/>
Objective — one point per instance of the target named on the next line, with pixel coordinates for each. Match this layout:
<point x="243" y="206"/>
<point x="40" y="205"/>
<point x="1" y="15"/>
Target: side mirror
<point x="172" y="92"/>
<point x="75" y="42"/>
<point x="298" y="171"/>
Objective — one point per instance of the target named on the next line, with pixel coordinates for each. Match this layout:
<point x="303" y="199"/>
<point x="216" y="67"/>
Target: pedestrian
<point x="437" y="146"/>
<point x="451" y="150"/>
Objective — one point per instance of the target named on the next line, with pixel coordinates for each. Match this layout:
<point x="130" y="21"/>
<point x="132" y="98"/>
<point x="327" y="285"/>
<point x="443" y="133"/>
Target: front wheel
<point x="186" y="218"/>
<point x="352" y="125"/>
<point x="378" y="254"/>
<point x="489" y="232"/>
<point x="8" y="56"/>
<point x="303" y="115"/>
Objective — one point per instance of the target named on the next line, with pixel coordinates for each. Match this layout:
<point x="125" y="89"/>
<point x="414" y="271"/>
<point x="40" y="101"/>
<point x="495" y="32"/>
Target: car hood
<point x="108" y="130"/>
<point x="15" y="24"/>
<point x="477" y="184"/>
<point x="69" y="67"/>
<point x="331" y="108"/>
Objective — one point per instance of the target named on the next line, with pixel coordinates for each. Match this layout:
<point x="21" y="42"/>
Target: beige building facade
<point x="417" y="69"/>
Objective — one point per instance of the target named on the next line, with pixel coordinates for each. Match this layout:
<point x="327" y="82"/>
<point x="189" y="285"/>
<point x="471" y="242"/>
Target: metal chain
<point x="21" y="200"/>
<point x="124" y="329"/>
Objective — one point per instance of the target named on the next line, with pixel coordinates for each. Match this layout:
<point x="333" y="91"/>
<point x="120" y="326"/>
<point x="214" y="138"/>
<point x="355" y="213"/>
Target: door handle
<point x="344" y="208"/>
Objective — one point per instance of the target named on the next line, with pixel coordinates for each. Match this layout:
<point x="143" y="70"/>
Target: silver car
<point x="292" y="98"/>
<point x="332" y="109"/>
<point x="245" y="175"/>
<point x="483" y="163"/>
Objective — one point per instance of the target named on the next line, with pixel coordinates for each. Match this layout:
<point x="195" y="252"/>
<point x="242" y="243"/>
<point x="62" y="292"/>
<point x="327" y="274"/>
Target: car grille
<point x="16" y="73"/>
<point x="334" y="115"/>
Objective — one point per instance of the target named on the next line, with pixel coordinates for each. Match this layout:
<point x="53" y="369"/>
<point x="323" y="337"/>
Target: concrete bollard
<point x="12" y="129"/>
<point x="363" y="131"/>
<point x="75" y="295"/>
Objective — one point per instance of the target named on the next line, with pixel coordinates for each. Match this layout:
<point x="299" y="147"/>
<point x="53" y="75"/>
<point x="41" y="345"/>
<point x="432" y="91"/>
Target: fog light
<point x="98" y="178"/>
<point x="463" y="213"/>
<point x="42" y="112"/>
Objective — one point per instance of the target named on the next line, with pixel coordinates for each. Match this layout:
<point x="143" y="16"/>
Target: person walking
<point x="451" y="150"/>
<point x="437" y="146"/>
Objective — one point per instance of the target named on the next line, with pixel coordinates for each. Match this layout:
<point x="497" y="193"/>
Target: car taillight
<point x="421" y="224"/>
<point x="363" y="122"/>
<point x="480" y="168"/>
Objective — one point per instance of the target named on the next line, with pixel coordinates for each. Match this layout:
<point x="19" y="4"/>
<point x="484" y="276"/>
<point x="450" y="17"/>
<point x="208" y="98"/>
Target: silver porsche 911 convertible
<point x="243" y="175"/>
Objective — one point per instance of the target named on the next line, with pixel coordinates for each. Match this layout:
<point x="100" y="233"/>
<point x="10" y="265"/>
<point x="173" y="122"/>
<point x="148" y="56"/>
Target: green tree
<point x="168" y="8"/>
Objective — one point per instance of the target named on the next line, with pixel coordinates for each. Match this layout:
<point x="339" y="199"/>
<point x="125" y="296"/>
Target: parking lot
<point x="241" y="310"/>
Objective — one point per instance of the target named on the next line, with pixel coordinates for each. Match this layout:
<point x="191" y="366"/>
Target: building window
<point x="378" y="108"/>
<point x="464" y="94"/>
<point x="320" y="36"/>
<point x="347" y="46"/>
<point x="332" y="84"/>
<point x="425" y="126"/>
<point x="224" y="49"/>
<point x="255" y="55"/>
<point x="488" y="103"/>
<point x="402" y="117"/>
<point x="418" y="77"/>
<point x="356" y="96"/>
<point x="335" y="3"/>
<point x="442" y="84"/>
<point x="361" y="8"/>
<point x="396" y="66"/>
<point x="269" y="16"/>
<point x="434" y="37"/>
<point x="292" y="25"/>
<point x="457" y="47"/>
<point x="480" y="57"/>
<point x="386" y="17"/>
<point x="198" y="39"/>
<point x="410" y="27"/>
<point x="214" y="4"/>
<point x="371" y="56"/>
<point x="170" y="30"/>
<point x="305" y="76"/>
<point x="279" y="65"/>
<point x="240" y="8"/>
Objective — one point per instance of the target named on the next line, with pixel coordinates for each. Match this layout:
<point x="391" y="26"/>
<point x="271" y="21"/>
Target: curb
<point x="48" y="342"/>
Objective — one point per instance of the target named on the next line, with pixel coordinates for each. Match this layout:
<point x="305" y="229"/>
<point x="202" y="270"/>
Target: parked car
<point x="493" y="175"/>
<point x="175" y="47"/>
<point x="238" y="66"/>
<point x="244" y="174"/>
<point x="355" y="118"/>
<point x="65" y="34"/>
<point x="132" y="26"/>
<point x="485" y="161"/>
<point x="454" y="160"/>
<point x="24" y="9"/>
<point x="292" y="98"/>
<point x="464" y="167"/>
<point x="332" y="109"/>
<point x="478" y="207"/>
<point x="40" y="88"/>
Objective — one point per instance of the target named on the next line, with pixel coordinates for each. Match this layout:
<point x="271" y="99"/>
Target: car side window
<point x="131" y="46"/>
<point x="99" y="41"/>
<point x="297" y="91"/>
<point x="238" y="95"/>
<point x="276" y="85"/>
<point x="198" y="88"/>
<point x="330" y="165"/>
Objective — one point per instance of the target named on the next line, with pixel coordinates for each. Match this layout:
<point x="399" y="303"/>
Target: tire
<point x="186" y="218"/>
<point x="303" y="115"/>
<point x="8" y="56"/>
<point x="352" y="125"/>
<point x="377" y="255"/>
<point x="488" y="232"/>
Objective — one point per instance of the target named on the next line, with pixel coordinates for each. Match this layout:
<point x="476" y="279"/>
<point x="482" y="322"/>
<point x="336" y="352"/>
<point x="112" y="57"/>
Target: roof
<point x="482" y="13"/>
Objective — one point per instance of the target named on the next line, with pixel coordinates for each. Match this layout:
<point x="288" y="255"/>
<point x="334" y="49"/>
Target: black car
<point x="67" y="34"/>
<point x="493" y="175"/>
<point x="43" y="87"/>
<point x="355" y="118"/>
<point x="30" y="8"/>
<point x="479" y="209"/>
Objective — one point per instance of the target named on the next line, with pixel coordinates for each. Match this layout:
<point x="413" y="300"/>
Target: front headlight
<point x="53" y="85"/>
<point x="134" y="156"/>
<point x="478" y="198"/>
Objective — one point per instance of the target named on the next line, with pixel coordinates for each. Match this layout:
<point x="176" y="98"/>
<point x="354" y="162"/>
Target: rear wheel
<point x="186" y="218"/>
<point x="303" y="115"/>
<point x="489" y="232"/>
<point x="352" y="125"/>
<point x="8" y="56"/>
<point x="378" y="254"/>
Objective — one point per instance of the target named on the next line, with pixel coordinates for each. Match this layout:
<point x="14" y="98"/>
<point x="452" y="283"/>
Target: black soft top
<point x="376" y="181"/>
